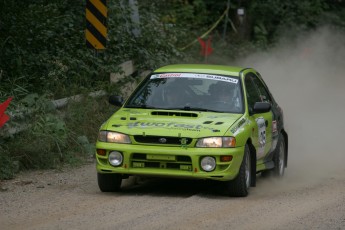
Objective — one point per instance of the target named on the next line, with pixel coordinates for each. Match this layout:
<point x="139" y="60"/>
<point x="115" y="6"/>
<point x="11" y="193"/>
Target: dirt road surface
<point x="70" y="199"/>
<point x="308" y="80"/>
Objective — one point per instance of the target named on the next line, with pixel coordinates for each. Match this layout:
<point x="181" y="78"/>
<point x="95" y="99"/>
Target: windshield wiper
<point x="140" y="107"/>
<point x="186" y="108"/>
<point x="189" y="108"/>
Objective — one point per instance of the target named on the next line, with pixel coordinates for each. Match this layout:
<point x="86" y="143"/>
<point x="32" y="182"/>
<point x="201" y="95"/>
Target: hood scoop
<point x="173" y="114"/>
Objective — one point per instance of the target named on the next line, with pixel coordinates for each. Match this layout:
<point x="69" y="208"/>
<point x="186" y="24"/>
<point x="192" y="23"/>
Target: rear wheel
<point x="240" y="185"/>
<point x="279" y="158"/>
<point x="109" y="182"/>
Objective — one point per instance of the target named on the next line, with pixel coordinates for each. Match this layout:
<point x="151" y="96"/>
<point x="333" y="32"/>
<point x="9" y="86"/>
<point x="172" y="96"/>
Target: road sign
<point x="96" y="24"/>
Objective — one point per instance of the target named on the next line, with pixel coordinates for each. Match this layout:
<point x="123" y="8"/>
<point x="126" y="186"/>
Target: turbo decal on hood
<point x="170" y="125"/>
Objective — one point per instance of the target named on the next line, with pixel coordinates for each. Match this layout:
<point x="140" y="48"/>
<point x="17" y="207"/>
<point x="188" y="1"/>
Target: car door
<point x="262" y="122"/>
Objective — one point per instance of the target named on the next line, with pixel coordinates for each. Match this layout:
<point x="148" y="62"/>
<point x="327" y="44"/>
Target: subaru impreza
<point x="194" y="121"/>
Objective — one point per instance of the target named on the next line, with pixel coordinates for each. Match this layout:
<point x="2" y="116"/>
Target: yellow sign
<point x="96" y="24"/>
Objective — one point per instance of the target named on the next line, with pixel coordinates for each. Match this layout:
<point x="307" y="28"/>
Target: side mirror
<point x="116" y="100"/>
<point x="261" y="107"/>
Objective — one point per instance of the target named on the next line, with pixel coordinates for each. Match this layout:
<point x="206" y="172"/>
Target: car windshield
<point x="189" y="91"/>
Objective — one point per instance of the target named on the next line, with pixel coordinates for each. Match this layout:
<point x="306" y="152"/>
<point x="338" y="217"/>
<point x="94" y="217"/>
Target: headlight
<point x="208" y="164"/>
<point x="114" y="137"/>
<point x="115" y="158"/>
<point x="216" y="142"/>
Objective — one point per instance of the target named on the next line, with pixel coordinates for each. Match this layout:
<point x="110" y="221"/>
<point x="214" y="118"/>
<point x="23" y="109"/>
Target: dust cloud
<point x="307" y="78"/>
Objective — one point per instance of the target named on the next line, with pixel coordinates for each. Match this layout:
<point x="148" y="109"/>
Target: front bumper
<point x="163" y="161"/>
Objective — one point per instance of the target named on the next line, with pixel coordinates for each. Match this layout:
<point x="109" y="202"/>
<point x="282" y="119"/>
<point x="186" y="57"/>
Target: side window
<point x="252" y="92"/>
<point x="264" y="95"/>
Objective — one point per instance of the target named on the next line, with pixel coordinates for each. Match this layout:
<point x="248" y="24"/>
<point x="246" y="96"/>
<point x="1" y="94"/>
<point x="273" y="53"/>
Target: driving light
<point x="216" y="142"/>
<point x="115" y="158"/>
<point x="208" y="164"/>
<point x="113" y="137"/>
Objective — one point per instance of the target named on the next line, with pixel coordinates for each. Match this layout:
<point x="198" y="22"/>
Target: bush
<point x="8" y="167"/>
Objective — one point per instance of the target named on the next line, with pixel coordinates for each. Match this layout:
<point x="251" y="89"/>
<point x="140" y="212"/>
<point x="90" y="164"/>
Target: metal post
<point x="135" y="17"/>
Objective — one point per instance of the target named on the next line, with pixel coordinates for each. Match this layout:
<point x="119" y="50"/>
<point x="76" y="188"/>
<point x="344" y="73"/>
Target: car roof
<point x="201" y="68"/>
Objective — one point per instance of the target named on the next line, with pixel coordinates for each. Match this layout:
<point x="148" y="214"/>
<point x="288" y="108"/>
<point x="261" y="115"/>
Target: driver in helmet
<point x="221" y="92"/>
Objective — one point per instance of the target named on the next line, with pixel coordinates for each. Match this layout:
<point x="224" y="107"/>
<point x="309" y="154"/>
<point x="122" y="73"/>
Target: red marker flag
<point x="4" y="117"/>
<point x="206" y="48"/>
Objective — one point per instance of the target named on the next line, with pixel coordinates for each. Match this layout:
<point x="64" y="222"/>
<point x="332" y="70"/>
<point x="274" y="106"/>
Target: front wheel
<point x="109" y="182"/>
<point x="240" y="185"/>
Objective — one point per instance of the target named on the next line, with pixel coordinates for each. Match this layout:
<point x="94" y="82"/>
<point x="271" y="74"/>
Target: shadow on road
<point x="142" y="186"/>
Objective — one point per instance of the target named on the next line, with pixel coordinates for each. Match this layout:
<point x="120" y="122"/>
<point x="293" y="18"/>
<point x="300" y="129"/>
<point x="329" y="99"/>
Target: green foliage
<point x="151" y="48"/>
<point x="83" y="118"/>
<point x="35" y="36"/>
<point x="52" y="137"/>
<point x="272" y="17"/>
<point x="42" y="142"/>
<point x="7" y="164"/>
<point x="181" y="21"/>
<point x="43" y="47"/>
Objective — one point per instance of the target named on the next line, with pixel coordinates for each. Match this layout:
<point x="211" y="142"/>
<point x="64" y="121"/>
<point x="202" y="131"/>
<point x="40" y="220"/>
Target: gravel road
<point x="70" y="199"/>
<point x="308" y="81"/>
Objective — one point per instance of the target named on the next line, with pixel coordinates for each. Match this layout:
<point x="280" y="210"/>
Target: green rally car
<point x="194" y="121"/>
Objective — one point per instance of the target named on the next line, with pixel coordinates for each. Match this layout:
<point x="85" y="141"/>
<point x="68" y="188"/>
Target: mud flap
<point x="253" y="171"/>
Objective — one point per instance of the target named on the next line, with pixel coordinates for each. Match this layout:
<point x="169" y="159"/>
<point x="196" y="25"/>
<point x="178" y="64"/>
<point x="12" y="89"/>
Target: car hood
<point x="170" y="123"/>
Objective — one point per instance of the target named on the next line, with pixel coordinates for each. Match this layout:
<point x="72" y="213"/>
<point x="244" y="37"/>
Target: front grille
<point x="172" y="162"/>
<point x="161" y="140"/>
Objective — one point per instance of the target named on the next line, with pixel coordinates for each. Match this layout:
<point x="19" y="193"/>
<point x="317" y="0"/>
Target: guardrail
<point x="128" y="69"/>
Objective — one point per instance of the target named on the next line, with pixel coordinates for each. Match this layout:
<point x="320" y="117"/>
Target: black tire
<point x="239" y="187"/>
<point x="109" y="182"/>
<point x="279" y="158"/>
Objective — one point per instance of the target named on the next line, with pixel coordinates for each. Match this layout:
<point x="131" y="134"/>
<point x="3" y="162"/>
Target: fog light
<point x="208" y="164"/>
<point x="115" y="158"/>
